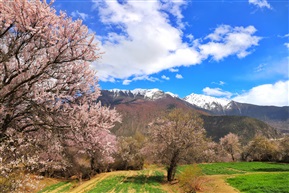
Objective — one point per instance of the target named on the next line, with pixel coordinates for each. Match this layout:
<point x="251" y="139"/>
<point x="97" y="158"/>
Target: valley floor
<point x="257" y="177"/>
<point x="148" y="180"/>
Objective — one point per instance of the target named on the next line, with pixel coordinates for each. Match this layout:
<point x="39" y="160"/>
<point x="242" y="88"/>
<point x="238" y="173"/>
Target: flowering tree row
<point x="47" y="89"/>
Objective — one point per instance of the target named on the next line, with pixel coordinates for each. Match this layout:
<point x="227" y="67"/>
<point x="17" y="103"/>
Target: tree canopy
<point x="47" y="88"/>
<point x="173" y="135"/>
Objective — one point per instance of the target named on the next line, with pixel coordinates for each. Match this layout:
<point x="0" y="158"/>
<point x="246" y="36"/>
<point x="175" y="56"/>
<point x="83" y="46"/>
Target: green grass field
<point x="247" y="177"/>
<point x="148" y="180"/>
<point x="142" y="182"/>
<point x="240" y="167"/>
<point x="61" y="186"/>
<point x="251" y="177"/>
<point x="261" y="183"/>
<point x="243" y="167"/>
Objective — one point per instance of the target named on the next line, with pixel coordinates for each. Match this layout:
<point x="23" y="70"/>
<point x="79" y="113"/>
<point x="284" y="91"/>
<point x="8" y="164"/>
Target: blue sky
<point x="223" y="48"/>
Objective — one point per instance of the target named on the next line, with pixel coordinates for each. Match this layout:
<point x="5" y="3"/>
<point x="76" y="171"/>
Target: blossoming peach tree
<point x="173" y="137"/>
<point x="48" y="90"/>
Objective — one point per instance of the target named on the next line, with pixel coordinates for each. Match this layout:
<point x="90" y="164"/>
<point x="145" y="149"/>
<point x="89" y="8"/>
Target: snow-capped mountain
<point x="278" y="117"/>
<point x="150" y="94"/>
<point x="208" y="103"/>
<point x="201" y="101"/>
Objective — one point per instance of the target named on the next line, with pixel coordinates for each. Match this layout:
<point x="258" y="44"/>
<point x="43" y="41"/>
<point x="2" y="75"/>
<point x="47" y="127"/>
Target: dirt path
<point x="87" y="185"/>
<point x="217" y="184"/>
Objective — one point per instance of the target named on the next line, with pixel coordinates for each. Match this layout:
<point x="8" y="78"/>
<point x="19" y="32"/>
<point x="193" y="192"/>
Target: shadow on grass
<point x="142" y="179"/>
<point x="271" y="170"/>
<point x="274" y="167"/>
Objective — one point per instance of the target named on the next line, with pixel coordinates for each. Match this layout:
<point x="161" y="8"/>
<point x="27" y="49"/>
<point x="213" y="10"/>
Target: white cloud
<point x="285" y="36"/>
<point x="260" y="68"/>
<point x="173" y="70"/>
<point x="148" y="78"/>
<point x="226" y="40"/>
<point x="126" y="82"/>
<point x="179" y="76"/>
<point x="260" y="3"/>
<point x="190" y="37"/>
<point x="165" y="77"/>
<point x="173" y="7"/>
<point x="147" y="42"/>
<point x="80" y="15"/>
<point x="268" y="94"/>
<point x="217" y="92"/>
<point x="221" y="83"/>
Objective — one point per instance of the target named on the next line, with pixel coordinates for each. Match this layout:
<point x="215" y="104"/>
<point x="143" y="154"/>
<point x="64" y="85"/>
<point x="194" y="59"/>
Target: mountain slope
<point x="138" y="110"/>
<point x="277" y="117"/>
<point x="245" y="127"/>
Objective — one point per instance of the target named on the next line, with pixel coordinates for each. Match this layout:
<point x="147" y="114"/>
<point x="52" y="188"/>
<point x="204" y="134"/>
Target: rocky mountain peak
<point x="150" y="94"/>
<point x="208" y="102"/>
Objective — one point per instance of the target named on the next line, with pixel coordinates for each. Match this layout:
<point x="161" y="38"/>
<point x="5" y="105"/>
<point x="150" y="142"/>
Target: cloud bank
<point x="217" y="92"/>
<point x="268" y="94"/>
<point x="147" y="41"/>
<point x="276" y="94"/>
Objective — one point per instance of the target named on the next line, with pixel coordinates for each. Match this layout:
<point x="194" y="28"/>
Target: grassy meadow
<point x="261" y="183"/>
<point x="247" y="177"/>
<point x="242" y="167"/>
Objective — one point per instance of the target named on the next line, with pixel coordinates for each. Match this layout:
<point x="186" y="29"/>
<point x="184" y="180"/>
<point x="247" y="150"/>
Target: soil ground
<point x="217" y="184"/>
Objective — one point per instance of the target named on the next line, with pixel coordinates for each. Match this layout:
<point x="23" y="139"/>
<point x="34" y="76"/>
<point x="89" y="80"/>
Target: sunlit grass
<point x="240" y="167"/>
<point x="142" y="182"/>
<point x="55" y="186"/>
<point x="261" y="183"/>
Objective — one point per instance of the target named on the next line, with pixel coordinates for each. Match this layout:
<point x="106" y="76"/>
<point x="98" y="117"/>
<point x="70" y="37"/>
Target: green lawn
<point x="240" y="167"/>
<point x="261" y="183"/>
<point x="65" y="185"/>
<point x="136" y="183"/>
<point x="251" y="177"/>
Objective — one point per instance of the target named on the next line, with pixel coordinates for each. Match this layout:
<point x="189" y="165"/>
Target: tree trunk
<point x="233" y="158"/>
<point x="173" y="166"/>
<point x="92" y="168"/>
<point x="171" y="173"/>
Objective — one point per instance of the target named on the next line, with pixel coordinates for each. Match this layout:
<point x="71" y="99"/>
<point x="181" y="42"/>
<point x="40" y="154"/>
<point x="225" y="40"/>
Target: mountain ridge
<point x="278" y="117"/>
<point x="149" y="93"/>
<point x="139" y="108"/>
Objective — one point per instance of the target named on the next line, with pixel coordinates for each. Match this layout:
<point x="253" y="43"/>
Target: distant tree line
<point x="178" y="137"/>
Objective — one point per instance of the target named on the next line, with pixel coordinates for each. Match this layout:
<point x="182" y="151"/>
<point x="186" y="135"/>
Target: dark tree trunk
<point x="92" y="167"/>
<point x="171" y="173"/>
<point x="173" y="167"/>
<point x="233" y="158"/>
<point x="4" y="126"/>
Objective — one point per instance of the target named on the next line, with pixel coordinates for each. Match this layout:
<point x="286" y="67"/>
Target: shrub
<point x="261" y="149"/>
<point x="284" y="146"/>
<point x="191" y="179"/>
